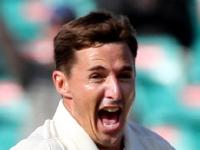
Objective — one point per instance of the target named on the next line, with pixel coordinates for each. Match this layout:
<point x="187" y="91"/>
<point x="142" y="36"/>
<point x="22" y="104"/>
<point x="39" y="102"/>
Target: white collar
<point x="71" y="133"/>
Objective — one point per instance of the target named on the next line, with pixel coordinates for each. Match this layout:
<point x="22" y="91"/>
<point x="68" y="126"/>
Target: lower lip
<point x="110" y="129"/>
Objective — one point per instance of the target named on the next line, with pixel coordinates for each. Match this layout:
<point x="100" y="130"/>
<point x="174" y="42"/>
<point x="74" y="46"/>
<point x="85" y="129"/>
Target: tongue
<point x="109" y="118"/>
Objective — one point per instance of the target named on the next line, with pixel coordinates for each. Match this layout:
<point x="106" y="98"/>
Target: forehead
<point x="112" y="53"/>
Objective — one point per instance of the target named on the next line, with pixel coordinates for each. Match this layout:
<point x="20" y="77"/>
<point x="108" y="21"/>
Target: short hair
<point x="89" y="31"/>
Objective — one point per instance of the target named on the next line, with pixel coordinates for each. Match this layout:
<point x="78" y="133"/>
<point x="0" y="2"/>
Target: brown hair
<point x="88" y="31"/>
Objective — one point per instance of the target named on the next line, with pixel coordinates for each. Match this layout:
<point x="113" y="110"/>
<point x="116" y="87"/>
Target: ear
<point x="61" y="84"/>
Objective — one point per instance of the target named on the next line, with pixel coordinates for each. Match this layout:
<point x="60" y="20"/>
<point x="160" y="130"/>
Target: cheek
<point x="129" y="95"/>
<point x="95" y="93"/>
<point x="87" y="98"/>
<point x="128" y="91"/>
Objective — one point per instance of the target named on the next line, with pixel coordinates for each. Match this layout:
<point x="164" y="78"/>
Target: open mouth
<point x="109" y="117"/>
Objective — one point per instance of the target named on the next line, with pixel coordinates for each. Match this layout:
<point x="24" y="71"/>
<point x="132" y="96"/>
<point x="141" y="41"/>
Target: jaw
<point x="111" y="143"/>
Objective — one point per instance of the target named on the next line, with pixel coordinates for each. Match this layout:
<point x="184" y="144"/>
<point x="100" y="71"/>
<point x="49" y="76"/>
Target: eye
<point x="125" y="76"/>
<point x="97" y="77"/>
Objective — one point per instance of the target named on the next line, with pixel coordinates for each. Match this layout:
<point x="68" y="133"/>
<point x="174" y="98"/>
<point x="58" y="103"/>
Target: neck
<point x="119" y="146"/>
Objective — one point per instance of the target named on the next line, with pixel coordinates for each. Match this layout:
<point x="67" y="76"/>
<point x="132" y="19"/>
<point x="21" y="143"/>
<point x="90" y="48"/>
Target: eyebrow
<point x="127" y="68"/>
<point x="96" y="68"/>
<point x="101" y="68"/>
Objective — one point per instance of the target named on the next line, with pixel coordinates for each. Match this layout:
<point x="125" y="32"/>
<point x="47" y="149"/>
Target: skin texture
<point x="100" y="75"/>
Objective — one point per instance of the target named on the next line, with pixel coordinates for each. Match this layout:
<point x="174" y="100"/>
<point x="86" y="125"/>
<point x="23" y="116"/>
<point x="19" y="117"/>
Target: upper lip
<point x="107" y="104"/>
<point x="110" y="108"/>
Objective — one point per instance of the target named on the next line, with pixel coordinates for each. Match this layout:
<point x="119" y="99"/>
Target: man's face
<point x="102" y="89"/>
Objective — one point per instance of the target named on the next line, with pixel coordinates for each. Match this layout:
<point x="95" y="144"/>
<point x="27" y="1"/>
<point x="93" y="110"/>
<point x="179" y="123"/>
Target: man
<point x="95" y="75"/>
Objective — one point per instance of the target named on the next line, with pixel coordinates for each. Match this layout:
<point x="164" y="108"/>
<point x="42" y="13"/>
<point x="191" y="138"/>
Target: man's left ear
<point x="61" y="84"/>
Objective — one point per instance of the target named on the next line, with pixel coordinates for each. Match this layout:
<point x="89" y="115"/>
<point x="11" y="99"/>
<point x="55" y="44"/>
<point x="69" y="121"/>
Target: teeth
<point x="111" y="109"/>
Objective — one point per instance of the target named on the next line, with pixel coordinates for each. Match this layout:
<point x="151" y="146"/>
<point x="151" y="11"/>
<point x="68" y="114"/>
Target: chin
<point x="110" y="141"/>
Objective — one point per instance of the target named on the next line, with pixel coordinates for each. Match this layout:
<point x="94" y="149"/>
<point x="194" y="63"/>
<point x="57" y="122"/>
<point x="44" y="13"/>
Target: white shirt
<point x="64" y="133"/>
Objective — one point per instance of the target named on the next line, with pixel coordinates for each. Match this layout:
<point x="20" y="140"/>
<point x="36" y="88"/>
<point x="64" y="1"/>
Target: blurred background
<point x="168" y="71"/>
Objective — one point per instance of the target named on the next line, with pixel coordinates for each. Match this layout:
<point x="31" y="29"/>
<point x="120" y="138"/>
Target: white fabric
<point x="64" y="133"/>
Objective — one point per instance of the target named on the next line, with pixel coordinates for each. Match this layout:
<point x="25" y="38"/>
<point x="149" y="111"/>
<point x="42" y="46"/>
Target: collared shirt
<point x="64" y="133"/>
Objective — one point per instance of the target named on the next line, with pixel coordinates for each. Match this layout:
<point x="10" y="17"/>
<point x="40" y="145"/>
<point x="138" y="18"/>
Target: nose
<point x="113" y="89"/>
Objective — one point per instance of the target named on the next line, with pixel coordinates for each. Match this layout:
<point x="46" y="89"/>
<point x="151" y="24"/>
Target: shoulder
<point x="148" y="137"/>
<point x="41" y="139"/>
